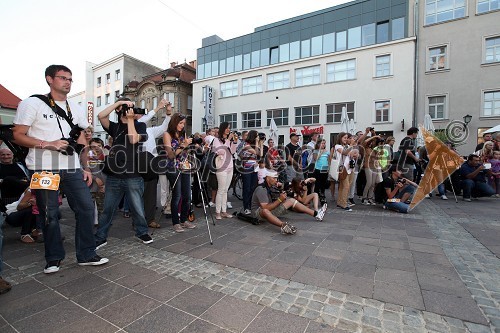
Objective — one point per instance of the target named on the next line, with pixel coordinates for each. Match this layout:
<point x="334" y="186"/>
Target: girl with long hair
<point x="176" y="145"/>
<point x="321" y="155"/>
<point x="250" y="155"/>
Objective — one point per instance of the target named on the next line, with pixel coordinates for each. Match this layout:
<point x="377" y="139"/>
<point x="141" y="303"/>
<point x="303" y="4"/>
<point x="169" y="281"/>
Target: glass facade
<point x="335" y="29"/>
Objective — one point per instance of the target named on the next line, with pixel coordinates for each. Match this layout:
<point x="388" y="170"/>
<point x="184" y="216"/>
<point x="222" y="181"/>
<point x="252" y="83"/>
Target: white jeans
<point x="223" y="182"/>
<point x="164" y="190"/>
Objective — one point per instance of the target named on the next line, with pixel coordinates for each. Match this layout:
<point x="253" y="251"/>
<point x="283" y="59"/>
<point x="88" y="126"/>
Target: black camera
<point x="372" y="128"/>
<point x="237" y="133"/>
<point x="196" y="140"/>
<point x="352" y="164"/>
<point x="262" y="136"/>
<point x="73" y="145"/>
<point x="125" y="107"/>
<point x="401" y="180"/>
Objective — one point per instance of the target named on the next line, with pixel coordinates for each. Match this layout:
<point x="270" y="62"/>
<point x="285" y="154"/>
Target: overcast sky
<point x="38" y="33"/>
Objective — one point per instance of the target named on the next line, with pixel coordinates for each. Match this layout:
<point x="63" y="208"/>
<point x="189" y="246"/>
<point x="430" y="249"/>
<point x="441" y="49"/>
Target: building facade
<point x="459" y="67"/>
<point x="303" y="71"/>
<point x="8" y="105"/>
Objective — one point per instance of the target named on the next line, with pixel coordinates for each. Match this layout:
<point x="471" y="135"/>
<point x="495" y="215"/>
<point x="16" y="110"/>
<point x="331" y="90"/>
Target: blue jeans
<point x="80" y="201"/>
<point x="401" y="207"/>
<point x="482" y="189"/>
<point x="441" y="189"/>
<point x="133" y="188"/>
<point x="249" y="179"/>
<point x="2" y="219"/>
<point x="181" y="191"/>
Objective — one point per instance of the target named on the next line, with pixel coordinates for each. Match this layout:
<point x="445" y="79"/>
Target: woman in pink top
<point x="224" y="146"/>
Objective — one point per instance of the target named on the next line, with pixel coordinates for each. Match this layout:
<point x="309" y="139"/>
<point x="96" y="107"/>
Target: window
<point x="437" y="58"/>
<point x="341" y="43"/>
<point x="329" y="43"/>
<point x="251" y="85"/>
<point x="117" y="95"/>
<point x="98" y="81"/>
<point x="273" y="56"/>
<point x="280" y="117"/>
<point x="492" y="49"/>
<point x="341" y="71"/>
<point x="108" y="78"/>
<point x="155" y="103"/>
<point x="251" y="119"/>
<point x="231" y="118"/>
<point x="484" y="6"/>
<point x="383" y="65"/>
<point x="443" y="10"/>
<point x="279" y="80"/>
<point x="316" y="45"/>
<point x="334" y="111"/>
<point x="98" y="102"/>
<point x="118" y="75"/>
<point x="307" y="115"/>
<point x="228" y="89"/>
<point x="254" y="59"/>
<point x="368" y="34"/>
<point x="354" y="38"/>
<point x="143" y="104"/>
<point x="284" y="52"/>
<point x="382" y="111"/>
<point x="398" y="28"/>
<point x="305" y="48"/>
<point x="382" y="32"/>
<point x="307" y="76"/>
<point x="437" y="107"/>
<point x="491" y="106"/>
<point x="106" y="99"/>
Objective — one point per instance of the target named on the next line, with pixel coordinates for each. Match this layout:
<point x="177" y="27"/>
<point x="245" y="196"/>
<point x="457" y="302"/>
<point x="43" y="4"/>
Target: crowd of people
<point x="97" y="179"/>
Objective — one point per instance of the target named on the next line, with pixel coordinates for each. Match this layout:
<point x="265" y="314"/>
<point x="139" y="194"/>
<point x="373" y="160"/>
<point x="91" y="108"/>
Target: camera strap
<point x="57" y="110"/>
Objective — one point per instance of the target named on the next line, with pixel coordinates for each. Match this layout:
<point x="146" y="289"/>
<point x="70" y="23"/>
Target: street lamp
<point x="467" y="119"/>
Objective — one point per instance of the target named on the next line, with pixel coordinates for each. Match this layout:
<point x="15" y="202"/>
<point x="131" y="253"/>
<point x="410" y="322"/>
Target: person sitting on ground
<point x="398" y="191"/>
<point x="19" y="214"/>
<point x="13" y="177"/>
<point x="473" y="174"/>
<point x="266" y="209"/>
<point x="299" y="190"/>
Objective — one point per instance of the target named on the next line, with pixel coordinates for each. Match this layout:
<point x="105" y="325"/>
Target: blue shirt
<point x="322" y="160"/>
<point x="467" y="169"/>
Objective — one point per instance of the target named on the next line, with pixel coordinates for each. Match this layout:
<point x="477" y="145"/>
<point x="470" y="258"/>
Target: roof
<point x="7" y="99"/>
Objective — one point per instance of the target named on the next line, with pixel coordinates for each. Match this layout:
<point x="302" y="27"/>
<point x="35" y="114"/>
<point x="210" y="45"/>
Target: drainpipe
<point x="415" y="73"/>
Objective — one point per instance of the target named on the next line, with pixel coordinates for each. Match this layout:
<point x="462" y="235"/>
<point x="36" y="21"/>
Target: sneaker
<point x="351" y="202"/>
<point x="444" y="197"/>
<point x="288" y="229"/>
<point x="52" y="267"/>
<point x="198" y="205"/>
<point x="427" y="196"/>
<point x="178" y="228"/>
<point x="99" y="244"/>
<point x="211" y="204"/>
<point x="247" y="212"/>
<point x="365" y="202"/>
<point x="218" y="217"/>
<point x="229" y="205"/>
<point x="95" y="261"/>
<point x="348" y="209"/>
<point x="467" y="199"/>
<point x="371" y="202"/>
<point x="188" y="225"/>
<point x="321" y="212"/>
<point x="4" y="286"/>
<point x="226" y="215"/>
<point x="146" y="239"/>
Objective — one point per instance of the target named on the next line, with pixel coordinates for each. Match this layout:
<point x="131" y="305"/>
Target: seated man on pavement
<point x="264" y="208"/>
<point x="474" y="183"/>
<point x="398" y="191"/>
<point x="13" y="177"/>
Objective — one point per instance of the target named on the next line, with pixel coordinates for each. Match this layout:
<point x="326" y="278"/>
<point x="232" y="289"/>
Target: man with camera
<point x="121" y="169"/>
<point x="42" y="124"/>
<point x="265" y="208"/>
<point x="398" y="190"/>
<point x="474" y="182"/>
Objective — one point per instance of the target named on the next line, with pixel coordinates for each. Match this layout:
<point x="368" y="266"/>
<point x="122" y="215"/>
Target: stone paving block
<point x="279" y="269"/>
<point x="395" y="263"/>
<point x="397" y="276"/>
<point x="426" y="248"/>
<point x="313" y="276"/>
<point x="163" y="319"/>
<point x="370" y="249"/>
<point x="250" y="263"/>
<point x="394" y="244"/>
<point x="460" y="307"/>
<point x="128" y="309"/>
<point x="224" y="257"/>
<point x="315" y="327"/>
<point x="442" y="284"/>
<point x="395" y="253"/>
<point x="335" y="245"/>
<point x="20" y="308"/>
<point x="137" y="282"/>
<point x="223" y="313"/>
<point x="435" y="269"/>
<point x="270" y="320"/>
<point x="321" y="263"/>
<point x="291" y="258"/>
<point x="352" y="284"/>
<point x="398" y="294"/>
<point x="165" y="289"/>
<point x="357" y="269"/>
<point x="394" y="237"/>
<point x="364" y="258"/>
<point x="431" y="258"/>
<point x="101" y="296"/>
<point x="86" y="324"/>
<point x="329" y="253"/>
<point x="114" y="272"/>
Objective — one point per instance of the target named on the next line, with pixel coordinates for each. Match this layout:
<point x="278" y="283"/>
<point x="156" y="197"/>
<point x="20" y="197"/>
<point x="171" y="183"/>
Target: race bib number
<point x="45" y="181"/>
<point x="393" y="200"/>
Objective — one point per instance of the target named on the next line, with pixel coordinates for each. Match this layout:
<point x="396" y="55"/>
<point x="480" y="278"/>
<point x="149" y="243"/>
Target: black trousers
<point x="150" y="198"/>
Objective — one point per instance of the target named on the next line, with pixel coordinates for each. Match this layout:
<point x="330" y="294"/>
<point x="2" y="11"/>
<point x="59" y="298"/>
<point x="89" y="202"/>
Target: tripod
<point x="195" y="167"/>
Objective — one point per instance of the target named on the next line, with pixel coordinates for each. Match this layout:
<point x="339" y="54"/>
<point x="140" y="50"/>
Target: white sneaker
<point x="321" y="212"/>
<point x="228" y="205"/>
<point x="211" y="204"/>
<point x="427" y="196"/>
<point x="247" y="212"/>
<point x="444" y="197"/>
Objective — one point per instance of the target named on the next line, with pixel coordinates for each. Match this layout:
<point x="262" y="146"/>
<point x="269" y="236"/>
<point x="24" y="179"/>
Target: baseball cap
<point x="294" y="134"/>
<point x="270" y="173"/>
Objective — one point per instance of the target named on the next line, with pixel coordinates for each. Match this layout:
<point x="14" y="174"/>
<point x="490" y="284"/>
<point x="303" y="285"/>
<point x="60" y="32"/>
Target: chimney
<point x="173" y="64"/>
<point x="192" y="63"/>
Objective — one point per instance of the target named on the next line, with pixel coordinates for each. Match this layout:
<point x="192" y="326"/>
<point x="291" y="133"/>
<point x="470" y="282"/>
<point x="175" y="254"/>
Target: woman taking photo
<point x="371" y="167"/>
<point x="224" y="146"/>
<point x="176" y="143"/>
<point x="299" y="189"/>
<point x="339" y="152"/>
<point x="321" y="156"/>
<point x="250" y="155"/>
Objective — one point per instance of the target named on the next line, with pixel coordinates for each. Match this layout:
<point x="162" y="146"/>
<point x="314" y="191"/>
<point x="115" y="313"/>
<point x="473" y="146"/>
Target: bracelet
<point x="280" y="200"/>
<point x="41" y="144"/>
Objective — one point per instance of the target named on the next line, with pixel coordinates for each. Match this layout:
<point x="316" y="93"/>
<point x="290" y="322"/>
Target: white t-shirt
<point x="41" y="119"/>
<point x="338" y="155"/>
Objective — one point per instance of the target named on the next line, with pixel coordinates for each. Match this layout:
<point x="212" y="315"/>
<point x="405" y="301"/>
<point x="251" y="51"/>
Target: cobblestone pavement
<point x="370" y="270"/>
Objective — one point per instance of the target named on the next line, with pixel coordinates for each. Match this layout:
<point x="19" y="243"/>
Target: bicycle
<point x="237" y="184"/>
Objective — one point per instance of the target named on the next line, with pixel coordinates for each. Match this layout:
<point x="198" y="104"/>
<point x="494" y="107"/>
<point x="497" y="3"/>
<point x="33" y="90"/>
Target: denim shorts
<point x="278" y="211"/>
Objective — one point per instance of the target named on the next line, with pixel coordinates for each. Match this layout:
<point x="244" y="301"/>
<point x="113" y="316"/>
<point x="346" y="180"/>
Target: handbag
<point x="333" y="170"/>
<point x="342" y="172"/>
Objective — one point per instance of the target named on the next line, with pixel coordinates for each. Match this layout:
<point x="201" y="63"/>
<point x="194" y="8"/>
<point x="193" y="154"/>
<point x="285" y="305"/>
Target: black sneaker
<point x="52" y="267"/>
<point x="99" y="244"/>
<point x="95" y="261"/>
<point x="348" y="209"/>
<point x="146" y="239"/>
<point x="351" y="201"/>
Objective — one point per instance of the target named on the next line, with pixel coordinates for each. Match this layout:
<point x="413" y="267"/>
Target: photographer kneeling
<point x="265" y="209"/>
<point x="398" y="191"/>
